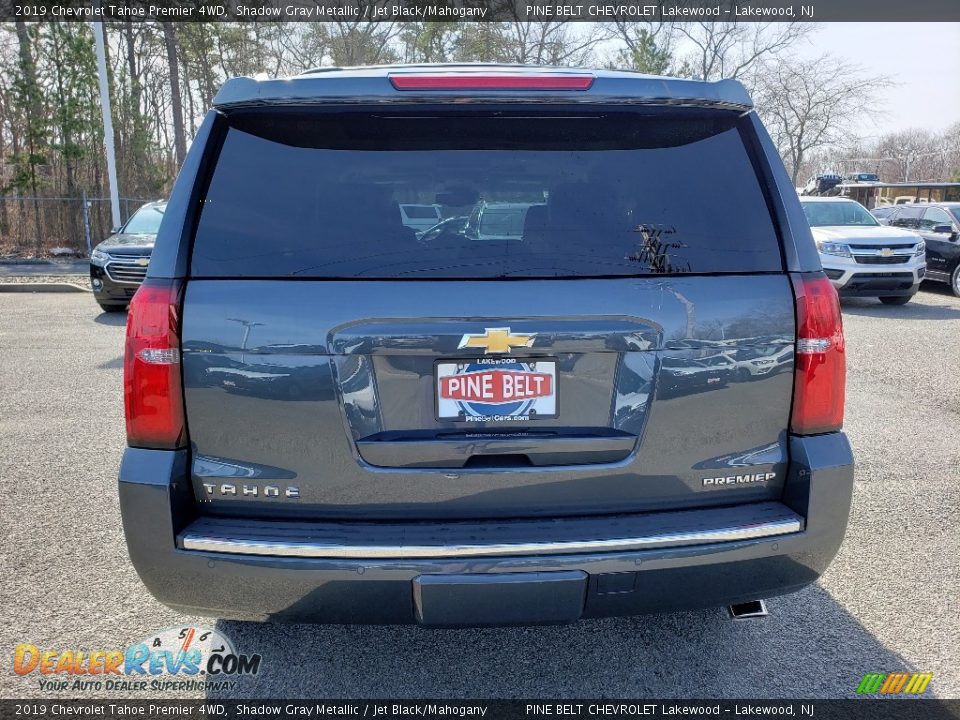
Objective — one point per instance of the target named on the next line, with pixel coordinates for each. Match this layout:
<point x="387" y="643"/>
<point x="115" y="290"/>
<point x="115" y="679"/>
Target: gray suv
<point x="632" y="403"/>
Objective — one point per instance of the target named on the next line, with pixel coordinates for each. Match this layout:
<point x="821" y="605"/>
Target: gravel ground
<point x="78" y="280"/>
<point x="33" y="268"/>
<point x="889" y="602"/>
<point x="73" y="273"/>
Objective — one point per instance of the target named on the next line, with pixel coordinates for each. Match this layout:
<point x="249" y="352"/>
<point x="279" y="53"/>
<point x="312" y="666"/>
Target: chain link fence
<point x="41" y="226"/>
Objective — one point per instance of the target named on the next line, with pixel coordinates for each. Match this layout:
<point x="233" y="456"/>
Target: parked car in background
<point x="685" y="376"/>
<point x="823" y="184"/>
<point x="939" y="225"/>
<point x="862" y="177"/>
<point x="529" y="423"/>
<point x="773" y="360"/>
<point x="420" y="217"/>
<point x="451" y="226"/>
<point x="883" y="212"/>
<point x="118" y="265"/>
<point x="498" y="221"/>
<point x="862" y="257"/>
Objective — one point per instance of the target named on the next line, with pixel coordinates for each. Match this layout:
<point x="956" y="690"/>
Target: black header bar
<point x="605" y="709"/>
<point x="484" y="10"/>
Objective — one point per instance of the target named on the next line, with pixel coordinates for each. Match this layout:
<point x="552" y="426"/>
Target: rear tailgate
<point x="632" y="350"/>
<point x="348" y="411"/>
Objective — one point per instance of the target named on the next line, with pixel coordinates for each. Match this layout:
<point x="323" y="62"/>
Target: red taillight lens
<point x="470" y="81"/>
<point x="820" y="358"/>
<point x="152" y="388"/>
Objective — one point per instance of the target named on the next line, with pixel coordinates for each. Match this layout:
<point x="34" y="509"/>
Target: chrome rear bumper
<point x="490" y="539"/>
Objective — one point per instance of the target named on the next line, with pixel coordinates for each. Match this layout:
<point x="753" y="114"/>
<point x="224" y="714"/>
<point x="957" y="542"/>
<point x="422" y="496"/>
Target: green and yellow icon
<point x="894" y="683"/>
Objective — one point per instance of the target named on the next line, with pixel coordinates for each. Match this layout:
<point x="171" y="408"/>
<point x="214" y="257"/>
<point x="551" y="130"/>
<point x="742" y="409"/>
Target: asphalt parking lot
<point x="890" y="602"/>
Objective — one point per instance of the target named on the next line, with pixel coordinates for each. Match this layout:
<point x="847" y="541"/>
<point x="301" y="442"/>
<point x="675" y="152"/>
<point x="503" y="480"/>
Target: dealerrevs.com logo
<point x="189" y="658"/>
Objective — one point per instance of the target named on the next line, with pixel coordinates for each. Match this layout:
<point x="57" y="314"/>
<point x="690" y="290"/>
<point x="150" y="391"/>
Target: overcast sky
<point x="923" y="60"/>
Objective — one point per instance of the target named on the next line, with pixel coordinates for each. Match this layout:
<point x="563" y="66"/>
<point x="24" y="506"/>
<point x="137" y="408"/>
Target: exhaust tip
<point x="748" y="610"/>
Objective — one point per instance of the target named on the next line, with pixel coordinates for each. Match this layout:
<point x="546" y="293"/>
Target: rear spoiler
<point x="382" y="85"/>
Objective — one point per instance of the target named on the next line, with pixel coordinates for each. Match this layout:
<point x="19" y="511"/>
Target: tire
<point x="955" y="281"/>
<point x="111" y="308"/>
<point x="899" y="300"/>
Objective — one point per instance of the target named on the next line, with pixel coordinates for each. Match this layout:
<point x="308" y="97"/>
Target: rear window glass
<point x="619" y="194"/>
<point x="496" y="221"/>
<point x="421" y="211"/>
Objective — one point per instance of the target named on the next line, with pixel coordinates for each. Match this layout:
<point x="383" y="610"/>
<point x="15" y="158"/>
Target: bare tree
<point x="913" y="154"/>
<point x="530" y="42"/>
<point x="951" y="141"/>
<point x="176" y="102"/>
<point x="705" y="50"/>
<point x="810" y="104"/>
<point x="429" y="42"/>
<point x="552" y="42"/>
<point x="647" y="47"/>
<point x="736" y="49"/>
<point x="359" y="42"/>
<point x="30" y="95"/>
<point x="481" y="42"/>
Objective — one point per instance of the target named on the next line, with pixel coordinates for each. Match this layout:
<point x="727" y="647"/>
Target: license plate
<point x="496" y="389"/>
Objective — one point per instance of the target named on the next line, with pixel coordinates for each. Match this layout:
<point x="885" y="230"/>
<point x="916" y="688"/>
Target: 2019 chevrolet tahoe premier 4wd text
<point x="332" y="420"/>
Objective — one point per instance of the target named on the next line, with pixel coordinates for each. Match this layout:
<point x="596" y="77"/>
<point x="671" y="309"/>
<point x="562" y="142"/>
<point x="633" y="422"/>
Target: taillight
<point x="820" y="358"/>
<point x="152" y="388"/>
<point x="471" y="81"/>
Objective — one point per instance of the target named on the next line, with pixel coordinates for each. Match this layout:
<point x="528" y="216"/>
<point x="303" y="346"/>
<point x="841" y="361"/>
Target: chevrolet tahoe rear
<point x="631" y="402"/>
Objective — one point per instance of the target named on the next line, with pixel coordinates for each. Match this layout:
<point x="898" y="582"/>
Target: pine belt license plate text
<point x="496" y="389"/>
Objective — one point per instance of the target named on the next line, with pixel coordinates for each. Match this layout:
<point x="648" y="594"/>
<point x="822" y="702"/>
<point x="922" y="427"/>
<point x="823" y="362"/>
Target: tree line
<point x="163" y="77"/>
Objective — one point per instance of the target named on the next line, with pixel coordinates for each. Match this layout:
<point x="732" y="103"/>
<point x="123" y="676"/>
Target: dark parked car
<point x="882" y="214"/>
<point x="939" y="225"/>
<point x="686" y="376"/>
<point x="823" y="185"/>
<point x="862" y="177"/>
<point x="451" y="226"/>
<point x="118" y="265"/>
<point x="331" y="420"/>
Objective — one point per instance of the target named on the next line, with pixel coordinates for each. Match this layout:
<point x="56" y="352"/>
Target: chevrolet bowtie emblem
<point x="496" y="340"/>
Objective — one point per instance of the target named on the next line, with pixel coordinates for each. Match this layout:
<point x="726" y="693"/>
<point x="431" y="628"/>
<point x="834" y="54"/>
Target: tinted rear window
<point x="420" y="211"/>
<point x="615" y="194"/>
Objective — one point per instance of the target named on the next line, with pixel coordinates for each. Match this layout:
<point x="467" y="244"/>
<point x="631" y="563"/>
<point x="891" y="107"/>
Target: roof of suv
<point x="373" y="82"/>
<point x="942" y="204"/>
